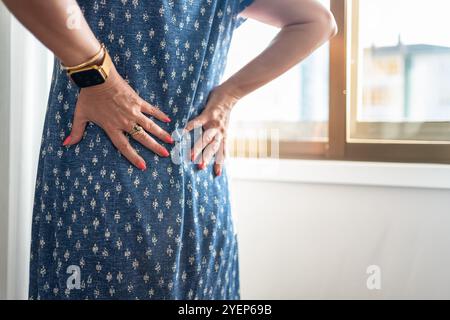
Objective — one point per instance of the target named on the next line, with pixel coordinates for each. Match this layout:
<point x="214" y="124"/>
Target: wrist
<point x="88" y="61"/>
<point x="79" y="55"/>
<point x="231" y="89"/>
<point x="228" y="91"/>
<point x="111" y="81"/>
<point x="93" y="72"/>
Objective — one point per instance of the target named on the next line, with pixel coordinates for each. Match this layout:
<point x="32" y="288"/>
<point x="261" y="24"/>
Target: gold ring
<point x="136" y="129"/>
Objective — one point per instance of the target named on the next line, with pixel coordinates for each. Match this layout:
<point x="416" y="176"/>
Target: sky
<point x="416" y="21"/>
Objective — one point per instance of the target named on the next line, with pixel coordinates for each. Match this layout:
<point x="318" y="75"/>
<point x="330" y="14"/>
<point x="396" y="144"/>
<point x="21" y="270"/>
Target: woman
<point x="117" y="215"/>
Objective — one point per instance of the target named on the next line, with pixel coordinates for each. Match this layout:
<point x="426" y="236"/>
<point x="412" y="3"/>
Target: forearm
<point x="305" y="26"/>
<point x="59" y="25"/>
<point x="291" y="45"/>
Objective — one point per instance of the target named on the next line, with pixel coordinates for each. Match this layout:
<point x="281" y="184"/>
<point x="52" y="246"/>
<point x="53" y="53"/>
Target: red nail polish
<point x="169" y="139"/>
<point x="192" y="155"/>
<point x="141" y="165"/>
<point x="67" y="141"/>
<point x="201" y="166"/>
<point x="219" y="172"/>
<point x="165" y="153"/>
<point x="167" y="119"/>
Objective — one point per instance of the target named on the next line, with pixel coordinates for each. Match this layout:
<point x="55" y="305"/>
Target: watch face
<point x="87" y="78"/>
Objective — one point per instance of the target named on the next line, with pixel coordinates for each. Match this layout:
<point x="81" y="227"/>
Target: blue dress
<point x="102" y="229"/>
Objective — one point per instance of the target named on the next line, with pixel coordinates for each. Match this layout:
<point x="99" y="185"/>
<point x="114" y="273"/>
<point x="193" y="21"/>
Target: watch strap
<point x="86" y="63"/>
<point x="104" y="67"/>
<point x="107" y="64"/>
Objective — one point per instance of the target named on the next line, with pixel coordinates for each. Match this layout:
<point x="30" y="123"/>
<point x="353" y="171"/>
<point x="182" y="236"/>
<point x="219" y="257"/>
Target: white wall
<point x="4" y="141"/>
<point x="25" y="74"/>
<point x="307" y="240"/>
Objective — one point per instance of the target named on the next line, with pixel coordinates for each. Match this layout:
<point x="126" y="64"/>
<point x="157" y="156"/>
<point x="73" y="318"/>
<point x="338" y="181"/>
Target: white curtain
<point x="24" y="101"/>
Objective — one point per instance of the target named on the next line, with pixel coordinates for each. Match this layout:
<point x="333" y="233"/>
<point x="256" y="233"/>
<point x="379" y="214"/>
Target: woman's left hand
<point x="214" y="123"/>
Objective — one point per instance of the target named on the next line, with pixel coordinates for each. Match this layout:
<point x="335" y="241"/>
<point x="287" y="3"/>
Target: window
<point x="399" y="71"/>
<point x="377" y="92"/>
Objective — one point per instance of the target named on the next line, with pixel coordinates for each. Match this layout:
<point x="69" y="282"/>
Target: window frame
<point x="338" y="146"/>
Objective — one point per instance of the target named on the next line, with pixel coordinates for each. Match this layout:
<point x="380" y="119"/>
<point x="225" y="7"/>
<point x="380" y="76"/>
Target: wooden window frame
<point x="337" y="147"/>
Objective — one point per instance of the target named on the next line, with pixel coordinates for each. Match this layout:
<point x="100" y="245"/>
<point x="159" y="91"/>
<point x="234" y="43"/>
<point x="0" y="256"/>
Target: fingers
<point x="195" y="123"/>
<point x="218" y="169"/>
<point x="78" y="127"/>
<point x="200" y="144"/>
<point x="147" y="141"/>
<point x="211" y="144"/>
<point x="150" y="143"/>
<point x="154" y="129"/>
<point x="153" y="111"/>
<point x="122" y="144"/>
<point x="210" y="150"/>
<point x="220" y="158"/>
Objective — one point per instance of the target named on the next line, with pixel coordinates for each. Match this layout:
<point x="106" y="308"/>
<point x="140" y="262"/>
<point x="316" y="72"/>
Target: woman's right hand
<point x="116" y="108"/>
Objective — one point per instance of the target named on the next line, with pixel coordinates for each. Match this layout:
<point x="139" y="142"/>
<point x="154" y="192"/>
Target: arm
<point x="59" y="25"/>
<point x="113" y="105"/>
<point x="305" y="26"/>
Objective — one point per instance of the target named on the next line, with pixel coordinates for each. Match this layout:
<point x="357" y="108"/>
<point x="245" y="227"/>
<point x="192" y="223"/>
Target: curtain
<point x="26" y="72"/>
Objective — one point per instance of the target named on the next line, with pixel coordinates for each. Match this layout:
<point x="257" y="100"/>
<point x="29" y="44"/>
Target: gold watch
<point x="88" y="74"/>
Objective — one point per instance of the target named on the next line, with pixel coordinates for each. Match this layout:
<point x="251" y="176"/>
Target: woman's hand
<point x="214" y="122"/>
<point x="116" y="108"/>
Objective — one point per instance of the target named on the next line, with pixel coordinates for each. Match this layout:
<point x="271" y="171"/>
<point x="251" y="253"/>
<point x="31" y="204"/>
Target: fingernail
<point x="218" y="172"/>
<point x="167" y="119"/>
<point x="169" y="139"/>
<point x="165" y="153"/>
<point x="201" y="166"/>
<point x="192" y="155"/>
<point x="67" y="141"/>
<point x="141" y="165"/>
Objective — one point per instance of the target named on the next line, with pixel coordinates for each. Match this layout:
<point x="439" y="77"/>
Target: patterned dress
<point x="103" y="229"/>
